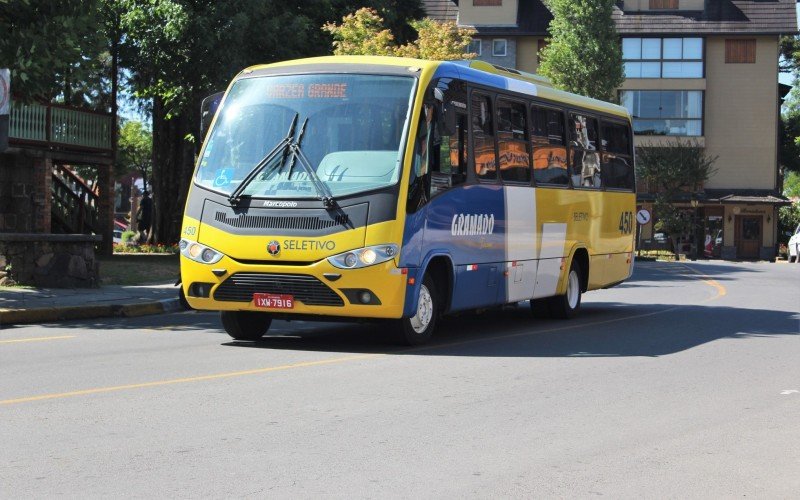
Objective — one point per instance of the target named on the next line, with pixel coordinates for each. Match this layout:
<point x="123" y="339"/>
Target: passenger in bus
<point x="587" y="157"/>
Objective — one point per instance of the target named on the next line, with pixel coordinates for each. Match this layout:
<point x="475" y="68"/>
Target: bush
<point x="127" y="236"/>
<point x="147" y="248"/>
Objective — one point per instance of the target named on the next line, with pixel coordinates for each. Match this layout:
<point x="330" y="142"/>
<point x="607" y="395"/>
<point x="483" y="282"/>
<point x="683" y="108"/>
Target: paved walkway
<point x="35" y="305"/>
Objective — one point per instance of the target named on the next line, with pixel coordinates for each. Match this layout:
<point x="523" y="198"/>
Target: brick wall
<point x="24" y="193"/>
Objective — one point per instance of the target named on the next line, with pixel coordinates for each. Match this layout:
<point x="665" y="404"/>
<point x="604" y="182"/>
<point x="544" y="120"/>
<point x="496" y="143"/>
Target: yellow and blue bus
<point x="404" y="190"/>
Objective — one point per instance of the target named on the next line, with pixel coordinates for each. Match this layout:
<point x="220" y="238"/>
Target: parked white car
<point x="794" y="245"/>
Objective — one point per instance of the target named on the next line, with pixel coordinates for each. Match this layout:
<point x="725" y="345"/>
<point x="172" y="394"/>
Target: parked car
<point x="794" y="245"/>
<point x="117" y="238"/>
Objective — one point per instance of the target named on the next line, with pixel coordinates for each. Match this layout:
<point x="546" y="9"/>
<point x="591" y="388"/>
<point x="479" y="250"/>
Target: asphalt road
<point x="683" y="382"/>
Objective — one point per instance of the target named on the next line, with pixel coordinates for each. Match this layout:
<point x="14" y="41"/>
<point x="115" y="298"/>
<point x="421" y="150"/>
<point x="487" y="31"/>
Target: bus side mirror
<point x="207" y="111"/>
<point x="446" y="114"/>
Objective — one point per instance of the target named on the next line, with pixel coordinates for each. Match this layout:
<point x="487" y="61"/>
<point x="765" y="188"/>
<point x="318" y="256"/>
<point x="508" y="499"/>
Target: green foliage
<point x="788" y="219"/>
<point x="672" y="169"/>
<point x="584" y="54"/>
<point x="791" y="185"/>
<point x="364" y="32"/>
<point x="127" y="236"/>
<point x="674" y="166"/>
<point x="50" y="46"/>
<point x="135" y="150"/>
<point x="361" y="33"/>
<point x="438" y="41"/>
<point x="790" y="53"/>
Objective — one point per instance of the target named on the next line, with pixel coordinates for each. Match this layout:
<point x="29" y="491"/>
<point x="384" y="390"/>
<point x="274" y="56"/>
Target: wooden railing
<point x="59" y="126"/>
<point x="75" y="203"/>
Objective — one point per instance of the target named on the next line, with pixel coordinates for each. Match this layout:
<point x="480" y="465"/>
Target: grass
<point x="139" y="269"/>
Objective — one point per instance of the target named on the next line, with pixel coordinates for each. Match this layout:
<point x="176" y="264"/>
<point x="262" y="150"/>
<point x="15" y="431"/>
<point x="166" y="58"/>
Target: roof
<point x="720" y="17"/>
<point x="746" y="196"/>
<point x="441" y="10"/>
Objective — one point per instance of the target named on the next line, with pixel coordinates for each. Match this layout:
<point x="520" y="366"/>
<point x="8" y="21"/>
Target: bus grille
<point x="240" y="287"/>
<point x="270" y="222"/>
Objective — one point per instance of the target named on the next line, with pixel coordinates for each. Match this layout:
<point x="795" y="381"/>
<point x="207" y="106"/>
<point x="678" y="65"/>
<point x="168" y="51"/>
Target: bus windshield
<point x="352" y="138"/>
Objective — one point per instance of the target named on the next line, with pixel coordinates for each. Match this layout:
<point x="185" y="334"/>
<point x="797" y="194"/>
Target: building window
<point x="740" y="51"/>
<point x="663" y="4"/>
<point x="474" y="47"/>
<point x="499" y="47"/>
<point x="663" y="57"/>
<point x="665" y="112"/>
<point x="487" y="3"/>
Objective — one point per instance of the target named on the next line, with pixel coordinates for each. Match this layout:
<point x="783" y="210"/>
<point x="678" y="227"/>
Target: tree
<point x="364" y="33"/>
<point x="361" y="33"/>
<point x="135" y="150"/>
<point x="584" y="54"/>
<point x="673" y="171"/>
<point x="50" y="46"/>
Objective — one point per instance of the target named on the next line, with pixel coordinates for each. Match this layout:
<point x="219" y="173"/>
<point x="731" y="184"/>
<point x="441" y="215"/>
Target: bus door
<point x="475" y="212"/>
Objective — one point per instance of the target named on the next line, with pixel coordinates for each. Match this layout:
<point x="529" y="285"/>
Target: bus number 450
<point x="626" y="223"/>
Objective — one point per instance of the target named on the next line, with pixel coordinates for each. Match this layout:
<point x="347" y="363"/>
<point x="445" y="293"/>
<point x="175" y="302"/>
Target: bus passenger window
<point x="483" y="137"/>
<point x="454" y="152"/>
<point x="549" y="151"/>
<point x="584" y="158"/>
<point x="512" y="144"/>
<point x="617" y="162"/>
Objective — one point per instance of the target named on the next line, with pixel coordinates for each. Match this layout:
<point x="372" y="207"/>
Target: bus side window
<point x="425" y="148"/>
<point x="451" y="169"/>
<point x="483" y="137"/>
<point x="549" y="150"/>
<point x="512" y="142"/>
<point x="617" y="163"/>
<point x="584" y="156"/>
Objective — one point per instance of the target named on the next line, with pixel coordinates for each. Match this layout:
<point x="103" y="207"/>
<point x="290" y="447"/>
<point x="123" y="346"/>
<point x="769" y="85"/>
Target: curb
<point x="53" y="314"/>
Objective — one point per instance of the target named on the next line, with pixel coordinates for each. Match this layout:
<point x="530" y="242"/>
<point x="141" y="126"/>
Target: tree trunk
<point x="173" y="163"/>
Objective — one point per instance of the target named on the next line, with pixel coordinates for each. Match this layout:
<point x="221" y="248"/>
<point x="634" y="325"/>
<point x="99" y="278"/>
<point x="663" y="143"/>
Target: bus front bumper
<point x="317" y="289"/>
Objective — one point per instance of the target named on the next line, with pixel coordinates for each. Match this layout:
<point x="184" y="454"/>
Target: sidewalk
<point x="32" y="305"/>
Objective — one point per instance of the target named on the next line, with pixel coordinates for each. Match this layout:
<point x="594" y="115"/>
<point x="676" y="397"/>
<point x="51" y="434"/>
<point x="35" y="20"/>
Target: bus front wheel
<point x="245" y="325"/>
<point x="418" y="329"/>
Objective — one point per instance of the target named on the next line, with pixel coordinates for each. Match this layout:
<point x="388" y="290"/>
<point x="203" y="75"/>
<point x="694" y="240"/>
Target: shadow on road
<point x="608" y="329"/>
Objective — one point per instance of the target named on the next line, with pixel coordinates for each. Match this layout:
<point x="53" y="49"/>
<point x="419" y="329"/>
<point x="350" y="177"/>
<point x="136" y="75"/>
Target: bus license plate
<point x="273" y="301"/>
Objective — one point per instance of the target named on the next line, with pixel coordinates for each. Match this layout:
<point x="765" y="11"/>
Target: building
<point x="700" y="69"/>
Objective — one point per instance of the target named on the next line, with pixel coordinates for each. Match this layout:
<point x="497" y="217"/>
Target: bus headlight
<point x="364" y="257"/>
<point x="199" y="253"/>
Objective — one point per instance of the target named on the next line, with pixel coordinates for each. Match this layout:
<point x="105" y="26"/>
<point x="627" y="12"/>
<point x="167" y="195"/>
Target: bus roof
<point x="473" y="71"/>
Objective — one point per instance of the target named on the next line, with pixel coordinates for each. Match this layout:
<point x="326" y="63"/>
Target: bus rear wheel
<point x="566" y="306"/>
<point x="418" y="329"/>
<point x="245" y="325"/>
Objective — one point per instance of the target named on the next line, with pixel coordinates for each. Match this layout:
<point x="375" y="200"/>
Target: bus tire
<point x="540" y="308"/>
<point x="245" y="325"/>
<point x="566" y="306"/>
<point x="418" y="329"/>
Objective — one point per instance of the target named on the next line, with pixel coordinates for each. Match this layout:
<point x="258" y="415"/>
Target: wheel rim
<point x="422" y="319"/>
<point x="573" y="290"/>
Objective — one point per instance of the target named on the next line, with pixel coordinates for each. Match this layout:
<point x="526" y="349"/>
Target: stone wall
<point x="49" y="260"/>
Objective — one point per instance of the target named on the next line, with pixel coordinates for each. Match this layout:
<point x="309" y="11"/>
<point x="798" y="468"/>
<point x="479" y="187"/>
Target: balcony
<point x="62" y="127"/>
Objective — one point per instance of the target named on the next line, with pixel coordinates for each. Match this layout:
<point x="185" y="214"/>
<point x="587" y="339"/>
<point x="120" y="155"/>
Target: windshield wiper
<point x="280" y="148"/>
<point x="324" y="193"/>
